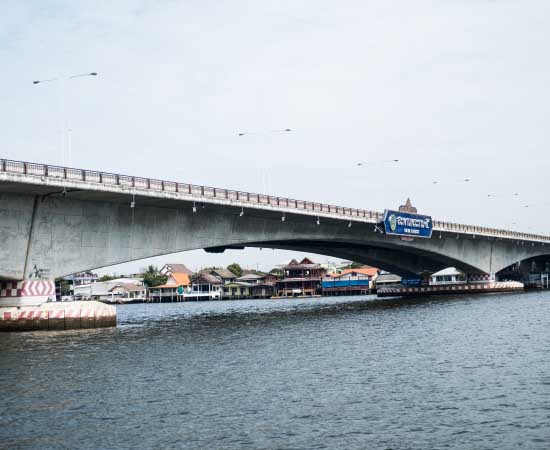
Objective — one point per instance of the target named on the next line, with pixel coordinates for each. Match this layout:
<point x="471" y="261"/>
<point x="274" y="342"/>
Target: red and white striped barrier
<point x="58" y="316"/>
<point x="479" y="277"/>
<point x="27" y="288"/>
<point x="26" y="292"/>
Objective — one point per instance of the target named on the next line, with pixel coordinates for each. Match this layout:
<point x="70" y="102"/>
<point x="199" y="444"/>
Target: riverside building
<point x="301" y="279"/>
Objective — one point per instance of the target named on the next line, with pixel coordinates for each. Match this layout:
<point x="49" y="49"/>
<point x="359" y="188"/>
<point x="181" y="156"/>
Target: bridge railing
<point x="105" y="178"/>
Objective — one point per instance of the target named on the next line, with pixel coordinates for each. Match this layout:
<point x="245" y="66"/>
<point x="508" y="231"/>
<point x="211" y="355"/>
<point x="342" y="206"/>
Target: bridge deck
<point x="40" y="178"/>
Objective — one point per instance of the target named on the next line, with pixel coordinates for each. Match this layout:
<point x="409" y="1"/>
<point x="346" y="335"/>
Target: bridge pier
<point x="29" y="305"/>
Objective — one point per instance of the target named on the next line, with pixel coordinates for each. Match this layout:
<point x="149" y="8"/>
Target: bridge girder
<point x="67" y="234"/>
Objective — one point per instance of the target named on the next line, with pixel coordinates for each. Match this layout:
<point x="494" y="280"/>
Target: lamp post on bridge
<point x="66" y="138"/>
<point x="264" y="176"/>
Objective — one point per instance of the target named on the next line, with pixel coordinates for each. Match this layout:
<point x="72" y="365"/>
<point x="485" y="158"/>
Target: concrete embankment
<point x="472" y="288"/>
<point x="58" y="316"/>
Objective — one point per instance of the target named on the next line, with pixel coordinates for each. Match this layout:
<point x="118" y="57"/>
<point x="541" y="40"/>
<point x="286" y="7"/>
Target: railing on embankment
<point x="104" y="178"/>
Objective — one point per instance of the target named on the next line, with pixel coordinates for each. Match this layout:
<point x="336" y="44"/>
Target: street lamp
<point x="493" y="195"/>
<point x="375" y="162"/>
<point x="245" y="133"/>
<point x="465" y="180"/>
<point x="92" y="74"/>
<point x="65" y="130"/>
<point x="260" y="169"/>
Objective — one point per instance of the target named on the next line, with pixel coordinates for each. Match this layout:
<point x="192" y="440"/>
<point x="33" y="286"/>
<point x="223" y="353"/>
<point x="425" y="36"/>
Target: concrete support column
<point x="480" y="278"/>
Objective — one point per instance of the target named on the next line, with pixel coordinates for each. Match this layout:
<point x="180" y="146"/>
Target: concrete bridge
<point x="56" y="221"/>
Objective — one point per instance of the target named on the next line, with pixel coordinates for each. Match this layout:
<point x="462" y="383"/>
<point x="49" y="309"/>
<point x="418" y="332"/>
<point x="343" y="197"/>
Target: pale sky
<point x="454" y="89"/>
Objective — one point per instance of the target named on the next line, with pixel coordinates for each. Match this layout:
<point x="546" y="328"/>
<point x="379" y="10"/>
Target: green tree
<point x="152" y="277"/>
<point x="277" y="272"/>
<point x="354" y="265"/>
<point x="106" y="278"/>
<point x="236" y="269"/>
<point x="208" y="269"/>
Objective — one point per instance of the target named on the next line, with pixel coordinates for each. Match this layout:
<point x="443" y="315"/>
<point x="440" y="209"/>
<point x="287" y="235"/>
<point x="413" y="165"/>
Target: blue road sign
<point x="411" y="281"/>
<point x="407" y="224"/>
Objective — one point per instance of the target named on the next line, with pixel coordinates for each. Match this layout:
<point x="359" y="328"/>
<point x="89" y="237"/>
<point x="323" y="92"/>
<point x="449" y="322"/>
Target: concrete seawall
<point x="58" y="316"/>
<point x="473" y="288"/>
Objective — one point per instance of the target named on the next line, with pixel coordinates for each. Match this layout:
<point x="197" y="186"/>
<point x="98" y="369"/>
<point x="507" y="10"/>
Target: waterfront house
<point x="110" y="292"/>
<point x="126" y="293"/>
<point x="252" y="278"/>
<point x="263" y="290"/>
<point x="173" y="290"/>
<point x="237" y="290"/>
<point x="169" y="269"/>
<point x="182" y="287"/>
<point x="258" y="278"/>
<point x="450" y="275"/>
<point x="350" y="281"/>
<point x="261" y="285"/>
<point x="225" y="275"/>
<point x="300" y="279"/>
<point x="204" y="286"/>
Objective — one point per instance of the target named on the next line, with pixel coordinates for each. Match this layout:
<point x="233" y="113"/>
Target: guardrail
<point x="105" y="178"/>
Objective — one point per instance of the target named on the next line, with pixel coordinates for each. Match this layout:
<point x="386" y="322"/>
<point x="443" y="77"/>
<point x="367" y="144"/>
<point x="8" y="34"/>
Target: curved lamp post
<point x="65" y="130"/>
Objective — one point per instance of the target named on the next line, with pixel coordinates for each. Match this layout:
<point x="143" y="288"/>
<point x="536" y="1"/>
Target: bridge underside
<point x="399" y="261"/>
<point x="56" y="232"/>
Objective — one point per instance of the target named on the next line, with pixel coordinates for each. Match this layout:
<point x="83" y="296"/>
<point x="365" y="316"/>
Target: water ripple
<point x="336" y="373"/>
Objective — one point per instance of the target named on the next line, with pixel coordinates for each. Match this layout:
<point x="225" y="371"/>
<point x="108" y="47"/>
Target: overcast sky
<point x="454" y="89"/>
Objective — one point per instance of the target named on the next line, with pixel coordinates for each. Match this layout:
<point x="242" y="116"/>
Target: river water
<point x="334" y="373"/>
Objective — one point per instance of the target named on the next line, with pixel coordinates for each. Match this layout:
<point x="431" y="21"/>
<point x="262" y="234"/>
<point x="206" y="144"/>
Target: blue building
<point x="350" y="282"/>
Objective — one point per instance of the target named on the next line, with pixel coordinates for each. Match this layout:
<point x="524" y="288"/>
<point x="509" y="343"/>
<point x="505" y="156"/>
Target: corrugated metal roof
<point x="206" y="278"/>
<point x="238" y="284"/>
<point x="250" y="276"/>
<point x="224" y="273"/>
<point x="128" y="287"/>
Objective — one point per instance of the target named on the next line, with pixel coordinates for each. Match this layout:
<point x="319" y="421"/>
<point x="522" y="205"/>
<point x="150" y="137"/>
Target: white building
<point x="133" y="280"/>
<point x="111" y="292"/>
<point x="450" y="275"/>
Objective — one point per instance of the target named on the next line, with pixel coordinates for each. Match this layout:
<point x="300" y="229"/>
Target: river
<point x="464" y="372"/>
